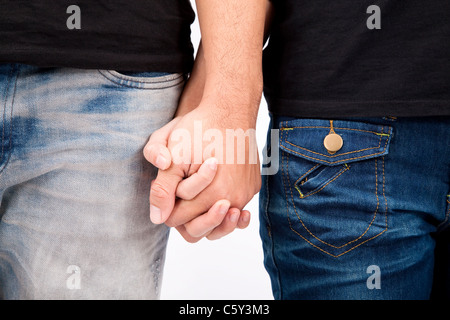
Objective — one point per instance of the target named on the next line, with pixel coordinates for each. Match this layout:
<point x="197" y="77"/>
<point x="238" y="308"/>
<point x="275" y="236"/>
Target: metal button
<point x="333" y="142"/>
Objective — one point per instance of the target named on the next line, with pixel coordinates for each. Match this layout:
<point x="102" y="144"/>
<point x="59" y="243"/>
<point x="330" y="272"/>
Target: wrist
<point x="230" y="114"/>
<point x="236" y="95"/>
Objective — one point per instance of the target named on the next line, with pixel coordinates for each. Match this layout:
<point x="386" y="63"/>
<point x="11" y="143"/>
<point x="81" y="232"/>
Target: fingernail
<point x="234" y="216"/>
<point x="155" y="214"/>
<point x="212" y="164"/>
<point x="246" y="217"/>
<point x="161" y="162"/>
<point x="223" y="209"/>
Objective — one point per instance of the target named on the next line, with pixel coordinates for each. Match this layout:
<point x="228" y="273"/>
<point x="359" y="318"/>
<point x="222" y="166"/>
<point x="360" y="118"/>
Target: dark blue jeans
<point x="364" y="222"/>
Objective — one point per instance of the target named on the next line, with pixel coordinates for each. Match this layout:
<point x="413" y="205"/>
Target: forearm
<point x="193" y="91"/>
<point x="232" y="40"/>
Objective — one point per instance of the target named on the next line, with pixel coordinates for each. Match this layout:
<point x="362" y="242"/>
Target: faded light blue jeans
<point x="74" y="186"/>
<point x="370" y="221"/>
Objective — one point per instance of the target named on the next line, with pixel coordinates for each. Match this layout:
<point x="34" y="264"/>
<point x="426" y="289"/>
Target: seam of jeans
<point x="338" y="247"/>
<point x="323" y="127"/>
<point x="287" y="203"/>
<point x="10" y="117"/>
<point x="307" y="172"/>
<point x="266" y="208"/>
<point x="336" y="155"/>
<point x="5" y="93"/>
<point x="149" y="80"/>
<point x="142" y="85"/>
<point x="332" y="162"/>
<point x="337" y="175"/>
<point x="280" y="287"/>
<point x="283" y="175"/>
<point x="272" y="246"/>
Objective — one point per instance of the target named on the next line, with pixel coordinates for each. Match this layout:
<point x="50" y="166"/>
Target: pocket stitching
<point x="337" y="175"/>
<point x="336" y="155"/>
<point x="336" y="247"/>
<point x="333" y="162"/>
<point x="150" y="80"/>
<point x="307" y="172"/>
<point x="143" y="85"/>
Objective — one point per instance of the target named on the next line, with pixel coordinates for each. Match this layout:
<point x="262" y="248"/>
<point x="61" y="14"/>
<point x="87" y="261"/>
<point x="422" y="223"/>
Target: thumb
<point x="162" y="193"/>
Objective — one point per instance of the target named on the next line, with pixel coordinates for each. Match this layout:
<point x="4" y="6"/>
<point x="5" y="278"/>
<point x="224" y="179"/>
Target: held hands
<point x="223" y="93"/>
<point x="202" y="197"/>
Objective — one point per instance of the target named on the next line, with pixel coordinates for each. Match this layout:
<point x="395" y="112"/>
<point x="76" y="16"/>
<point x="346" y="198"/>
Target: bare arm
<point x="232" y="38"/>
<point x="227" y="85"/>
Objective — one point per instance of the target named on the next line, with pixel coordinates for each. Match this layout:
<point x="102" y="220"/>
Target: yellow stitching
<point x="331" y="156"/>
<point x="446" y="215"/>
<point x="383" y="134"/>
<point x="385" y="199"/>
<point x="330" y="254"/>
<point x="307" y="173"/>
<point x="287" y="205"/>
<point x="384" y="149"/>
<point x="299" y="191"/>
<point x="322" y="127"/>
<point x="290" y="223"/>
<point x="373" y="219"/>
<point x="331" y="127"/>
<point x="334" y="178"/>
<point x="332" y="162"/>
<point x="287" y="201"/>
<point x="336" y="155"/>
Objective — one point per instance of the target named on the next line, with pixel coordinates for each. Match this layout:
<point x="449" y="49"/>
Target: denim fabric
<point x="362" y="223"/>
<point x="74" y="186"/>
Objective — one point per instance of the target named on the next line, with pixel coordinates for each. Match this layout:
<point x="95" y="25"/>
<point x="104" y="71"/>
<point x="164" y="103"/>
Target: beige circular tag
<point x="333" y="142"/>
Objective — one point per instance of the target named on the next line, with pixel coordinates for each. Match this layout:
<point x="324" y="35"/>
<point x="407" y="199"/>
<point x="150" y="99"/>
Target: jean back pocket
<point x="335" y="199"/>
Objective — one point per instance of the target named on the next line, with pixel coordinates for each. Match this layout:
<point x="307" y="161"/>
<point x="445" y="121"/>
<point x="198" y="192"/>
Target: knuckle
<point x="159" y="191"/>
<point x="241" y="200"/>
<point x="205" y="177"/>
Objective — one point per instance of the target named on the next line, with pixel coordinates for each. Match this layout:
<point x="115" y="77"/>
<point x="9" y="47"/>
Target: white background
<point x="229" y="268"/>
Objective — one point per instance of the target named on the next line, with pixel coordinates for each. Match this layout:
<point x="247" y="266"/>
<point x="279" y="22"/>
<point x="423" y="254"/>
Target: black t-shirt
<point x="138" y="35"/>
<point x="359" y="58"/>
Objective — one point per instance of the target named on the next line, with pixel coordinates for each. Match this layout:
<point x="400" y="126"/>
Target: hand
<point x="229" y="87"/>
<point x="220" y="220"/>
<point x="237" y="183"/>
<point x="214" y="225"/>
